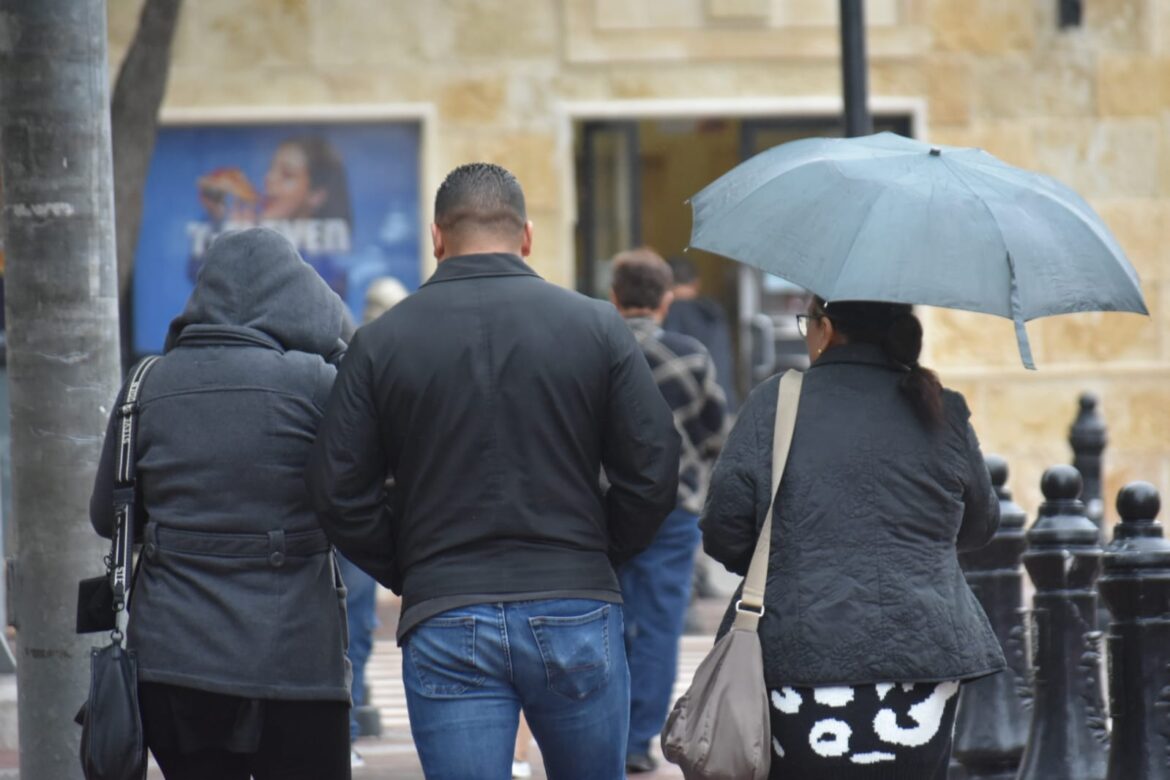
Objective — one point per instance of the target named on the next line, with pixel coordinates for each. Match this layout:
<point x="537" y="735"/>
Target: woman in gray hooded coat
<point x="238" y="613"/>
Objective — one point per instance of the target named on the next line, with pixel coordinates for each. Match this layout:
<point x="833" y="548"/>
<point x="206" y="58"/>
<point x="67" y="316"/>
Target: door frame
<point x="568" y="113"/>
<point x="590" y="129"/>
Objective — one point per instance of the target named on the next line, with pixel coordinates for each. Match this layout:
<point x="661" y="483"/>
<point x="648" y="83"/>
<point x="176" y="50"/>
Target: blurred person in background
<point x="702" y="317"/>
<point x="656" y="583"/>
<point x="383" y="294"/>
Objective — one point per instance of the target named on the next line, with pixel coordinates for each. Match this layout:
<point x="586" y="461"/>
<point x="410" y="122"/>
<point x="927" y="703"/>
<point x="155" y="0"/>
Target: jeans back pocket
<point x="575" y="650"/>
<point x="442" y="651"/>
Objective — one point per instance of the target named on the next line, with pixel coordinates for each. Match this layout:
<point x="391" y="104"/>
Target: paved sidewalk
<point x="392" y="756"/>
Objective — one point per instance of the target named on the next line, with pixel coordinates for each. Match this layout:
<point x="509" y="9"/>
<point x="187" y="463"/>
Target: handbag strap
<point x="122" y="540"/>
<point x="750" y="607"/>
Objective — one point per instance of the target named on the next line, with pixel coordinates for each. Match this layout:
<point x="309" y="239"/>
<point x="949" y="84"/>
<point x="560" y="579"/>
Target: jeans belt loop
<point x="276" y="549"/>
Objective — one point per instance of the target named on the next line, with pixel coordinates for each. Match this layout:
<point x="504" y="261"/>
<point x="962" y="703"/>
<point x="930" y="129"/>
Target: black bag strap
<point x="121" y="553"/>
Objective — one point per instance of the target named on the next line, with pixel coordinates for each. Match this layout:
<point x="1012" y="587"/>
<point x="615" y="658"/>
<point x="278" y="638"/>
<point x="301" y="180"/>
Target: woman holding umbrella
<point x="869" y="626"/>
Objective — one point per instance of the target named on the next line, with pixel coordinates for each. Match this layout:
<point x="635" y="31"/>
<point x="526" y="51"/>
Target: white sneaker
<point x="355" y="759"/>
<point x="521" y="769"/>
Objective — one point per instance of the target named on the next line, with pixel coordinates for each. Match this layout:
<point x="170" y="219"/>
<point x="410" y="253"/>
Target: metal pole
<point x="854" y="68"/>
<point x="63" y="357"/>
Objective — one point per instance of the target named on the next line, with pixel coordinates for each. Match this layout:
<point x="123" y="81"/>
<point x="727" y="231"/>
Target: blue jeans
<point x="361" y="606"/>
<point x="656" y="588"/>
<point x="469" y="671"/>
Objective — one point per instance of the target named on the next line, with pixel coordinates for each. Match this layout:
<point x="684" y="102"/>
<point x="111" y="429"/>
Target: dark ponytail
<point x="898" y="332"/>
<point x="903" y="343"/>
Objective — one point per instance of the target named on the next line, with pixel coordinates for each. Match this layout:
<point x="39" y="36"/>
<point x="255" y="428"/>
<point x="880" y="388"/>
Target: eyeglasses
<point x="802" y="322"/>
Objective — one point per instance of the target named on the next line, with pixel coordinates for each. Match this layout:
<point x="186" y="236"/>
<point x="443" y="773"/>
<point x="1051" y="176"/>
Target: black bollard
<point x="1136" y="584"/>
<point x="992" y="719"/>
<point x="1068" y="737"/>
<point x="1087" y="438"/>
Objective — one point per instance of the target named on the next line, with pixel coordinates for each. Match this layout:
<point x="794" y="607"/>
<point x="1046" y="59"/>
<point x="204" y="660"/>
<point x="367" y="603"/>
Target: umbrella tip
<point x="935" y="151"/>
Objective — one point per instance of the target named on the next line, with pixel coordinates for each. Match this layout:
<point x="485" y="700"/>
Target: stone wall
<point x="1090" y="107"/>
<point x="505" y="78"/>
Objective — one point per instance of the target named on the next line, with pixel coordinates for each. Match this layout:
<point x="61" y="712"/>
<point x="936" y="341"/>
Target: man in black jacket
<point x="495" y="400"/>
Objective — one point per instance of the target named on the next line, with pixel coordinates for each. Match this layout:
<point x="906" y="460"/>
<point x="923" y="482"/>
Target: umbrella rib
<point x="861" y="227"/>
<point x="853" y="243"/>
<point x="821" y="157"/>
<point x="743" y="198"/>
<point x="998" y="174"/>
<point x="979" y="198"/>
<point x="746" y="196"/>
<point x="764" y="182"/>
<point x="830" y="163"/>
<point x="1092" y="221"/>
<point x="1015" y="299"/>
<point x="1082" y="209"/>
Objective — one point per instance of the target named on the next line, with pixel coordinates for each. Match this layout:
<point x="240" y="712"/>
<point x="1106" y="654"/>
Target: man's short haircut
<point x="683" y="269"/>
<point x="640" y="277"/>
<point x="480" y="197"/>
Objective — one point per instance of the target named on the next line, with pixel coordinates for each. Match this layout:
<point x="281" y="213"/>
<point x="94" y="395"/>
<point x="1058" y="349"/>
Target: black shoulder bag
<point x="112" y="744"/>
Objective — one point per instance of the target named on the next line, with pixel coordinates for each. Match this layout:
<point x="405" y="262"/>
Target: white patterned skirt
<point x="884" y="731"/>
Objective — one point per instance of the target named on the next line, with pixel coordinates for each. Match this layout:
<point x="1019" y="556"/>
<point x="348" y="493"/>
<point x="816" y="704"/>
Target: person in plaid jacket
<point x="656" y="583"/>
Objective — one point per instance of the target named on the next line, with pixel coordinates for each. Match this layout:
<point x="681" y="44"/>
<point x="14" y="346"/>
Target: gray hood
<point x="255" y="279"/>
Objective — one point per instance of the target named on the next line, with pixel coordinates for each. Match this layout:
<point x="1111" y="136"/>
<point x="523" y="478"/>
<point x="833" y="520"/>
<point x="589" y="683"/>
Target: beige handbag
<point x="720" y="728"/>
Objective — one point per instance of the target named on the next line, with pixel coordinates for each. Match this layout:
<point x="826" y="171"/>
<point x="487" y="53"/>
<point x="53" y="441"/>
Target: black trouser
<point x="297" y="740"/>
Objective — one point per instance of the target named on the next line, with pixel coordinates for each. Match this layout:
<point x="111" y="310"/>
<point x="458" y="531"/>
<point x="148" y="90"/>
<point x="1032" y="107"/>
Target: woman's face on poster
<point x="288" y="191"/>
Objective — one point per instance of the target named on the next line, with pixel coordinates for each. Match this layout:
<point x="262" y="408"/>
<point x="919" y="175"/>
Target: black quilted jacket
<point x="863" y="577"/>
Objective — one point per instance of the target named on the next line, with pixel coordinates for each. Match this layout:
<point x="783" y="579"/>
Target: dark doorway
<point x="633" y="180"/>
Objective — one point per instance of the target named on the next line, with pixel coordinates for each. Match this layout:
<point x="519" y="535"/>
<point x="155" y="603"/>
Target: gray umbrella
<point x="887" y="218"/>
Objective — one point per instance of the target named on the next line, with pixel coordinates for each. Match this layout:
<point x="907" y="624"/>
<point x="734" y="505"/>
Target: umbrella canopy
<point x="887" y="218"/>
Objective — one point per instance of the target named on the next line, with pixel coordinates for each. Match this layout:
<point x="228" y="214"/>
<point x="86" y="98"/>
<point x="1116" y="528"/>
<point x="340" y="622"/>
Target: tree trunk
<point x="138" y="93"/>
<point x="61" y="305"/>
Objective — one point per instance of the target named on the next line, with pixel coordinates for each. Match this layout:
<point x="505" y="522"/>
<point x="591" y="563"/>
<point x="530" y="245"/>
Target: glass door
<point x="610" y="193"/>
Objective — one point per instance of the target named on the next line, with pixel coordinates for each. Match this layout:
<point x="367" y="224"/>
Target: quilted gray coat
<point x="863" y="579"/>
<point x="237" y="591"/>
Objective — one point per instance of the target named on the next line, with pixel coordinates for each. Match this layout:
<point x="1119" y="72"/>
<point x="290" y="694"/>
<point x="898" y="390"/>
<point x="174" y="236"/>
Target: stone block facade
<point x="504" y="80"/>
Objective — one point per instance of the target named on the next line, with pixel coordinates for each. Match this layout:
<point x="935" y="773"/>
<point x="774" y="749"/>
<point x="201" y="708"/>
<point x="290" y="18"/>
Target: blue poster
<point x="346" y="194"/>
